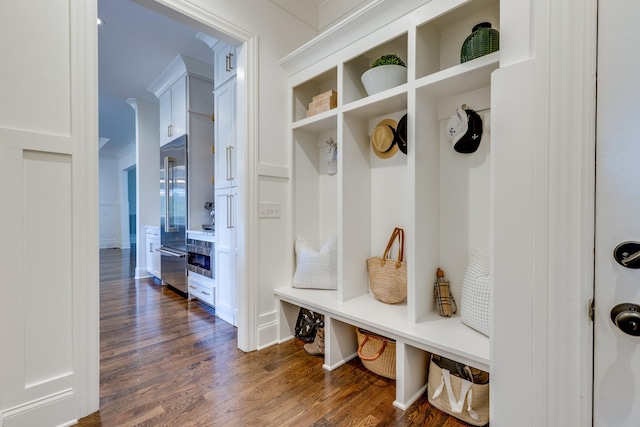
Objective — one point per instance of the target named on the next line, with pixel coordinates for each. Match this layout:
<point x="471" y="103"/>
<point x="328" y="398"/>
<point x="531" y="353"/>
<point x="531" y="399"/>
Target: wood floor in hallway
<point x="165" y="361"/>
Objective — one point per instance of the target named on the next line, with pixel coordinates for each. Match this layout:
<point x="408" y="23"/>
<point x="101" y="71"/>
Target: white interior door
<point x="617" y="354"/>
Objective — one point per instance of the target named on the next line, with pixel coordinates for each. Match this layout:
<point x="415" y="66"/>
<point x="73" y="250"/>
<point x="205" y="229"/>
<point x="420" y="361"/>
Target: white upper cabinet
<point x="224" y="63"/>
<point x="173" y="111"/>
<point x="177" y="98"/>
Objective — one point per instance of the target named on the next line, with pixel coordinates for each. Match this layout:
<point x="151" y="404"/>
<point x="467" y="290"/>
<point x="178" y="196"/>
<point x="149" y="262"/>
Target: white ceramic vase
<point x="383" y="77"/>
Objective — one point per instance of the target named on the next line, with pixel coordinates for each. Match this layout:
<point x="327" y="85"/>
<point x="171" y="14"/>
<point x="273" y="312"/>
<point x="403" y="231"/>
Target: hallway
<point x="169" y="362"/>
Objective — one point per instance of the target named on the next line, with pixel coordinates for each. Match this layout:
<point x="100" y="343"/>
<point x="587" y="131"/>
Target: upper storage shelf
<point x="304" y="93"/>
<point x="439" y="40"/>
<point x="354" y="68"/>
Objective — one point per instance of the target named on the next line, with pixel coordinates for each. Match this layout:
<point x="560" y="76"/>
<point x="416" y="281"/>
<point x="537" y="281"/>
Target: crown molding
<point x="180" y="66"/>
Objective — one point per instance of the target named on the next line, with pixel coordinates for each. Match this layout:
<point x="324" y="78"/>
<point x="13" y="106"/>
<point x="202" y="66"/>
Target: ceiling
<point x="136" y="44"/>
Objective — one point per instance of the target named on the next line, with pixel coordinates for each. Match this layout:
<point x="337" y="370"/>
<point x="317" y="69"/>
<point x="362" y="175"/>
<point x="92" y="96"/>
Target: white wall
<point x="543" y="109"/>
<point x="147" y="158"/>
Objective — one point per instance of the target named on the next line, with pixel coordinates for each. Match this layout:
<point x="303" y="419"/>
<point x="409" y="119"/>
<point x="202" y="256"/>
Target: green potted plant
<point x="386" y="72"/>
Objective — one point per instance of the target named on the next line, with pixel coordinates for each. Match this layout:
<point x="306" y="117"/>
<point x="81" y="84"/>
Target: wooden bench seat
<point x="448" y="337"/>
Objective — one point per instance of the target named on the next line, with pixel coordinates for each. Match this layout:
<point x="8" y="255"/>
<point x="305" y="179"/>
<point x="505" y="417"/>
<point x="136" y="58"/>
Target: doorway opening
<point x="144" y="32"/>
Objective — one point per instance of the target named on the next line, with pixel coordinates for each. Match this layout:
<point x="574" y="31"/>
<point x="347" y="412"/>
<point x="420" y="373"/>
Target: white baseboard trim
<point x="109" y="244"/>
<point x="267" y="335"/>
<point x="47" y="410"/>
<point x="140" y="273"/>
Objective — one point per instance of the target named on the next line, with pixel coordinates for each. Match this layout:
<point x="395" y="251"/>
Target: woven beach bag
<point x="458" y="397"/>
<point x="378" y="353"/>
<point x="387" y="277"/>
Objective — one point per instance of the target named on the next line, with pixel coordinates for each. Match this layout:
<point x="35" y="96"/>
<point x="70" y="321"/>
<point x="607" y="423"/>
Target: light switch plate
<point x="269" y="210"/>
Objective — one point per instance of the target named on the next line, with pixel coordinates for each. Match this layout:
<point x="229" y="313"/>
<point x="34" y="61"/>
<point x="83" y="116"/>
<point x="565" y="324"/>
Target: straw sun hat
<point x="389" y="136"/>
<point x="382" y="139"/>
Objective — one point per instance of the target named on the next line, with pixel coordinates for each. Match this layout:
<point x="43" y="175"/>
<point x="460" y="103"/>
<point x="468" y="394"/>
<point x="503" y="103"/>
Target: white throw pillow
<point x="316" y="269"/>
<point x="474" y="305"/>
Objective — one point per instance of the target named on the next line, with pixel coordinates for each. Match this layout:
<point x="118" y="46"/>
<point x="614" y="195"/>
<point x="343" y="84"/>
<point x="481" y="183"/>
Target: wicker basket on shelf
<point x="378" y="353"/>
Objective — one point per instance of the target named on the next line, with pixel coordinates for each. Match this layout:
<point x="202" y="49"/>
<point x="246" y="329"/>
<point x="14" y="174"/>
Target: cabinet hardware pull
<point x="170" y="182"/>
<point x="230" y="163"/>
<point x="229" y="58"/>
<point x="206" y="293"/>
<point x="171" y="253"/>
<point x="231" y="225"/>
<point x="169" y="133"/>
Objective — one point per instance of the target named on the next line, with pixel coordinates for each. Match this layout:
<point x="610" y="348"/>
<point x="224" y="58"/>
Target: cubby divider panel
<point x="424" y="178"/>
<point x="412" y="367"/>
<point x="341" y="343"/>
<point x="354" y="207"/>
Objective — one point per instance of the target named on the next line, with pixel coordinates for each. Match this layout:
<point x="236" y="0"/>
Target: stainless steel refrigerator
<point x="173" y="213"/>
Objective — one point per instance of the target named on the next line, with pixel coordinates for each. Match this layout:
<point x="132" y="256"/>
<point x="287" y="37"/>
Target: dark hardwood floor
<point x="168" y="362"/>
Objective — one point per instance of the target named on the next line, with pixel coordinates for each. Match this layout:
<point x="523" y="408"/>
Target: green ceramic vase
<point x="482" y="41"/>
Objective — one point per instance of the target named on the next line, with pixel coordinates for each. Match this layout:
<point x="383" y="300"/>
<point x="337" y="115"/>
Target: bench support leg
<point x="341" y="343"/>
<point x="412" y="369"/>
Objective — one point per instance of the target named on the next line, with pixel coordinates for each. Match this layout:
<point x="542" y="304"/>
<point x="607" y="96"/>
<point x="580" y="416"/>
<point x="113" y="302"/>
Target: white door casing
<point x="616" y="354"/>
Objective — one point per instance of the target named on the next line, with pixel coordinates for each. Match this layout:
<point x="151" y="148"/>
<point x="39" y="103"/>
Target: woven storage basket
<point x="378" y="353"/>
<point x="388" y="277"/>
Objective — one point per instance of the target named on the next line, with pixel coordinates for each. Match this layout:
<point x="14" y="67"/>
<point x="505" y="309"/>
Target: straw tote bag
<point x="388" y="278"/>
<point x="458" y="397"/>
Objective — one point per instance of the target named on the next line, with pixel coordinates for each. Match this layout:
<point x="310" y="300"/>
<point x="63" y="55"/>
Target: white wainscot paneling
<point x="267" y="329"/>
<point x="29" y="109"/>
<point x="48" y="284"/>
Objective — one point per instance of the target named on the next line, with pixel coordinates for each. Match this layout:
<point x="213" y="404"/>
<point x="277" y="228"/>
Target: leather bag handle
<point x="370" y="358"/>
<point x="399" y="234"/>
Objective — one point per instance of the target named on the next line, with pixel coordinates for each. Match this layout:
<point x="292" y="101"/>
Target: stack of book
<point x="323" y="102"/>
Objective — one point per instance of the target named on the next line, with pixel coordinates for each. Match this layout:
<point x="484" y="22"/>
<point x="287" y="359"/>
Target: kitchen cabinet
<point x="184" y="90"/>
<point x="152" y="255"/>
<point x="173" y="111"/>
<point x="226" y="250"/>
<point x="225" y="134"/>
<point x="201" y="278"/>
<point x="201" y="288"/>
<point x="224" y="63"/>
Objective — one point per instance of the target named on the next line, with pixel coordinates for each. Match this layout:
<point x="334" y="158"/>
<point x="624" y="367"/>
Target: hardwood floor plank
<point x="165" y="361"/>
